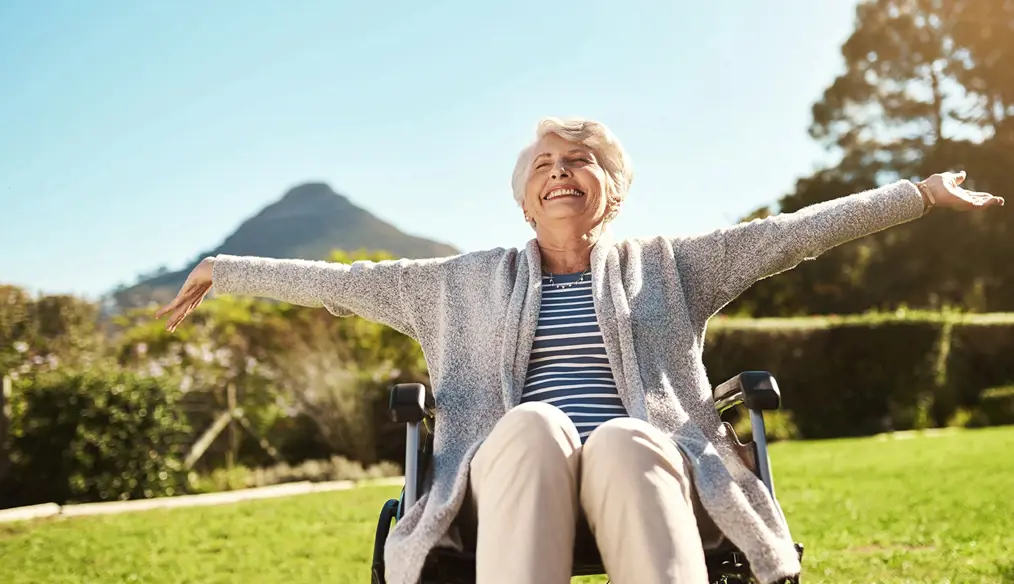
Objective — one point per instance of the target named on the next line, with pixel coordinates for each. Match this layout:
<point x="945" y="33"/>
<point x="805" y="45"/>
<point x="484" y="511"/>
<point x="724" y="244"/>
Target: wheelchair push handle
<point x="757" y="390"/>
<point x="410" y="403"/>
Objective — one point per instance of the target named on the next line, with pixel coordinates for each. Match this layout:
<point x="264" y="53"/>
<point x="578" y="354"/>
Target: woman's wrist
<point x="928" y="200"/>
<point x="207" y="268"/>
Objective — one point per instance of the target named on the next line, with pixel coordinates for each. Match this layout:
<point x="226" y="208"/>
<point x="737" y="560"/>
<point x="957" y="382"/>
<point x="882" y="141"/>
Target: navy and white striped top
<point x="568" y="367"/>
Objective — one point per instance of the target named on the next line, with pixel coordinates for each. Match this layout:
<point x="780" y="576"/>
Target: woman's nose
<point x="560" y="171"/>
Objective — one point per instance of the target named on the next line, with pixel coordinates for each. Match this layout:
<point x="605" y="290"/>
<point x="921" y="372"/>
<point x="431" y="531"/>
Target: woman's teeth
<point x="564" y="193"/>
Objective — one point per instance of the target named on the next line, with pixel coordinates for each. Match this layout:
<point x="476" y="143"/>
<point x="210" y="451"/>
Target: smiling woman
<point x="568" y="375"/>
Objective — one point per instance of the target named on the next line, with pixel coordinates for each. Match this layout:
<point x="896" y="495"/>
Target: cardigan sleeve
<point x="724" y="263"/>
<point x="373" y="290"/>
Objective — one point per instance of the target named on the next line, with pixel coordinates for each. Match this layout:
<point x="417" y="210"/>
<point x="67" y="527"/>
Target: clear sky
<point x="137" y="134"/>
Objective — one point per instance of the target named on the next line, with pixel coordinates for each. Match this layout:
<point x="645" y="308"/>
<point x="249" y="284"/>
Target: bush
<point x="997" y="406"/>
<point x="980" y="358"/>
<point x="838" y="378"/>
<point x="778" y="426"/>
<point x="337" y="468"/>
<point x="94" y="436"/>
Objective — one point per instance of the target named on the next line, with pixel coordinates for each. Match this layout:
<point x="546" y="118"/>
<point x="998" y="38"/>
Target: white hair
<point x="607" y="148"/>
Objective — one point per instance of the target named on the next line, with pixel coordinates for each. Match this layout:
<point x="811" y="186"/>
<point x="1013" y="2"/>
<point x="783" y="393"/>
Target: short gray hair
<point x="607" y="148"/>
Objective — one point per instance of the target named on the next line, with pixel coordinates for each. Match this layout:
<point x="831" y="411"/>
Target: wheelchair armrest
<point x="411" y="403"/>
<point x="758" y="390"/>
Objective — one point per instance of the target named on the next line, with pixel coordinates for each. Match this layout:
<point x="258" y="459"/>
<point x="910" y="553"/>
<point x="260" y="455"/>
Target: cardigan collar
<point x="612" y="311"/>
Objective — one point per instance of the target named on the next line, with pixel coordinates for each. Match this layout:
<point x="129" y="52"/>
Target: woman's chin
<point x="569" y="222"/>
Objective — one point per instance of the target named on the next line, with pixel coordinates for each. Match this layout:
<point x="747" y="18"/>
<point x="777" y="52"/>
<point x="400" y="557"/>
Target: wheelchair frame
<point x="412" y="404"/>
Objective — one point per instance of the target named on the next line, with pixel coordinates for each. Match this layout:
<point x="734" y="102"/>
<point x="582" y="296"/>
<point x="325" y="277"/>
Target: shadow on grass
<point x="1006" y="572"/>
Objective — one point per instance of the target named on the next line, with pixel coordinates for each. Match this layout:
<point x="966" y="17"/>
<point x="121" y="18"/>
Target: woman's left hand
<point x="947" y="193"/>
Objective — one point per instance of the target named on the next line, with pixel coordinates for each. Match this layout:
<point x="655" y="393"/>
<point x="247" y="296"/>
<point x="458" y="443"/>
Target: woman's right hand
<point x="190" y="295"/>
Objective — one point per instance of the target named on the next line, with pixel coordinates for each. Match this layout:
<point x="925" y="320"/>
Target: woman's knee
<point x="541" y="421"/>
<point x="619" y="435"/>
<point x="625" y="447"/>
<point x="535" y="428"/>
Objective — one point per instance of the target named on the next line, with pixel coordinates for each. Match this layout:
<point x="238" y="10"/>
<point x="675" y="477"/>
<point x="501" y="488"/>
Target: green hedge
<point x="93" y="436"/>
<point x="997" y="406"/>
<point x="837" y="379"/>
<point x="857" y="375"/>
<point x="981" y="357"/>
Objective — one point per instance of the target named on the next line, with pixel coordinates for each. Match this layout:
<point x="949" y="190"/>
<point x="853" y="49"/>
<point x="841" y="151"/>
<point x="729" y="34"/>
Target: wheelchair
<point x="412" y="404"/>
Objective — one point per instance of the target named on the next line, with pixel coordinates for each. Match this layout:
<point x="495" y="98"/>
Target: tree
<point x="928" y="86"/>
<point x="46" y="332"/>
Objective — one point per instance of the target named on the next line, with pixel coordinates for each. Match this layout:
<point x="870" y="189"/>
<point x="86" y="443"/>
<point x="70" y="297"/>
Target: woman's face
<point x="565" y="185"/>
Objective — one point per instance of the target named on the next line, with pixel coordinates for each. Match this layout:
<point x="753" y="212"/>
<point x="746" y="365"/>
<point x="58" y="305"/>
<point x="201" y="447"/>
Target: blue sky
<point x="138" y="134"/>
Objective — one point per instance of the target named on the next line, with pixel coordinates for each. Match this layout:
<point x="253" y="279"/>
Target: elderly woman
<point x="568" y="376"/>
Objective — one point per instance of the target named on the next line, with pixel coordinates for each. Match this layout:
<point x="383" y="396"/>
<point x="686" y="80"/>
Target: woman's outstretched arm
<point x="728" y="261"/>
<point x="373" y="290"/>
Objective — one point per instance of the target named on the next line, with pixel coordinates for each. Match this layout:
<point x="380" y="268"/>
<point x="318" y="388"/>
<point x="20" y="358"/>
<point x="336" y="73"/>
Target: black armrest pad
<point x="410" y="403"/>
<point x="759" y="390"/>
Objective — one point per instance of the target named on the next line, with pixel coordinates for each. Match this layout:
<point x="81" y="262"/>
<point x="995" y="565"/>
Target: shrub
<point x="94" y="436"/>
<point x="336" y="468"/>
<point x="838" y="378"/>
<point x="980" y="358"/>
<point x="997" y="405"/>
<point x="778" y="426"/>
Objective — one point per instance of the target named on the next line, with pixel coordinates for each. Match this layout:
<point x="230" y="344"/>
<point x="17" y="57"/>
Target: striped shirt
<point x="568" y="367"/>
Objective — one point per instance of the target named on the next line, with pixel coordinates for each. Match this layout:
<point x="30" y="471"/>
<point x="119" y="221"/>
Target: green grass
<point x="923" y="509"/>
<point x="870" y="318"/>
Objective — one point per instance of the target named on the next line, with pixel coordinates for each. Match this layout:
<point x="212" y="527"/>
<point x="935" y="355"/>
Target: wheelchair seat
<point x="412" y="404"/>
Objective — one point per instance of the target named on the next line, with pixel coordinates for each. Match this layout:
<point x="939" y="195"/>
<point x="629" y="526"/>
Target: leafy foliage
<point x="288" y="363"/>
<point x="94" y="437"/>
<point x="926" y="88"/>
<point x="41" y="334"/>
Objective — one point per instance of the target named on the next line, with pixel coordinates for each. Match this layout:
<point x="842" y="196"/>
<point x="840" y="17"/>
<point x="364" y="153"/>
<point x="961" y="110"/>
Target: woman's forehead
<point x="552" y="144"/>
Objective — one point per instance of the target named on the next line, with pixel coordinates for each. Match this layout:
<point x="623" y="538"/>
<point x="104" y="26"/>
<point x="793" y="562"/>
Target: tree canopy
<point x="927" y="86"/>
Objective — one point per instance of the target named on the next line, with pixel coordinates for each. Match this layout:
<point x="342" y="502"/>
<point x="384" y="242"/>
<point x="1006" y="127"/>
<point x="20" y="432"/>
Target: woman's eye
<point x="541" y="165"/>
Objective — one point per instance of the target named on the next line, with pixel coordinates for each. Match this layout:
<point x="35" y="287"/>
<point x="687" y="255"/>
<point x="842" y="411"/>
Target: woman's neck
<point x="567" y="254"/>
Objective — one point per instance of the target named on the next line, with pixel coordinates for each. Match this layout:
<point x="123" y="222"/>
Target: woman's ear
<point x="613" y="204"/>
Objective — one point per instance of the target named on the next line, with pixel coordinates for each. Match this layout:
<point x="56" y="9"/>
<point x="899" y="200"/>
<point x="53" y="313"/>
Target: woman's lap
<point x="597" y="478"/>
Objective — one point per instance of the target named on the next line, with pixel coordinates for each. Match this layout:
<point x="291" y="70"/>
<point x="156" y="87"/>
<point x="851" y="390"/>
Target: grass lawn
<point x="896" y="510"/>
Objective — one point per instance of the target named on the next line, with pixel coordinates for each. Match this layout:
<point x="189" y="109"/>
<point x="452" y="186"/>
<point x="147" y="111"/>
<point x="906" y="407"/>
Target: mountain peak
<point x="310" y="191"/>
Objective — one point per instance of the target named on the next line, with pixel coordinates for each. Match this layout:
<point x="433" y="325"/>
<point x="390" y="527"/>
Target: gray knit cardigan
<point x="474" y="316"/>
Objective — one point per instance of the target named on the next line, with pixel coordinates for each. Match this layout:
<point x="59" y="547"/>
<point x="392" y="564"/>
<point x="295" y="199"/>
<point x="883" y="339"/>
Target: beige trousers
<point x="533" y="489"/>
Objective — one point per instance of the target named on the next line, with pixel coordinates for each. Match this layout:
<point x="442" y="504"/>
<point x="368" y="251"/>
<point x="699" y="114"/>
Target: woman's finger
<point x="173" y="304"/>
<point x="189" y="304"/>
<point x="174" y="310"/>
<point x="994" y="202"/>
<point x="177" y="317"/>
<point x="977" y="200"/>
<point x="166" y="308"/>
<point x="984" y="199"/>
<point x="198" y="298"/>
